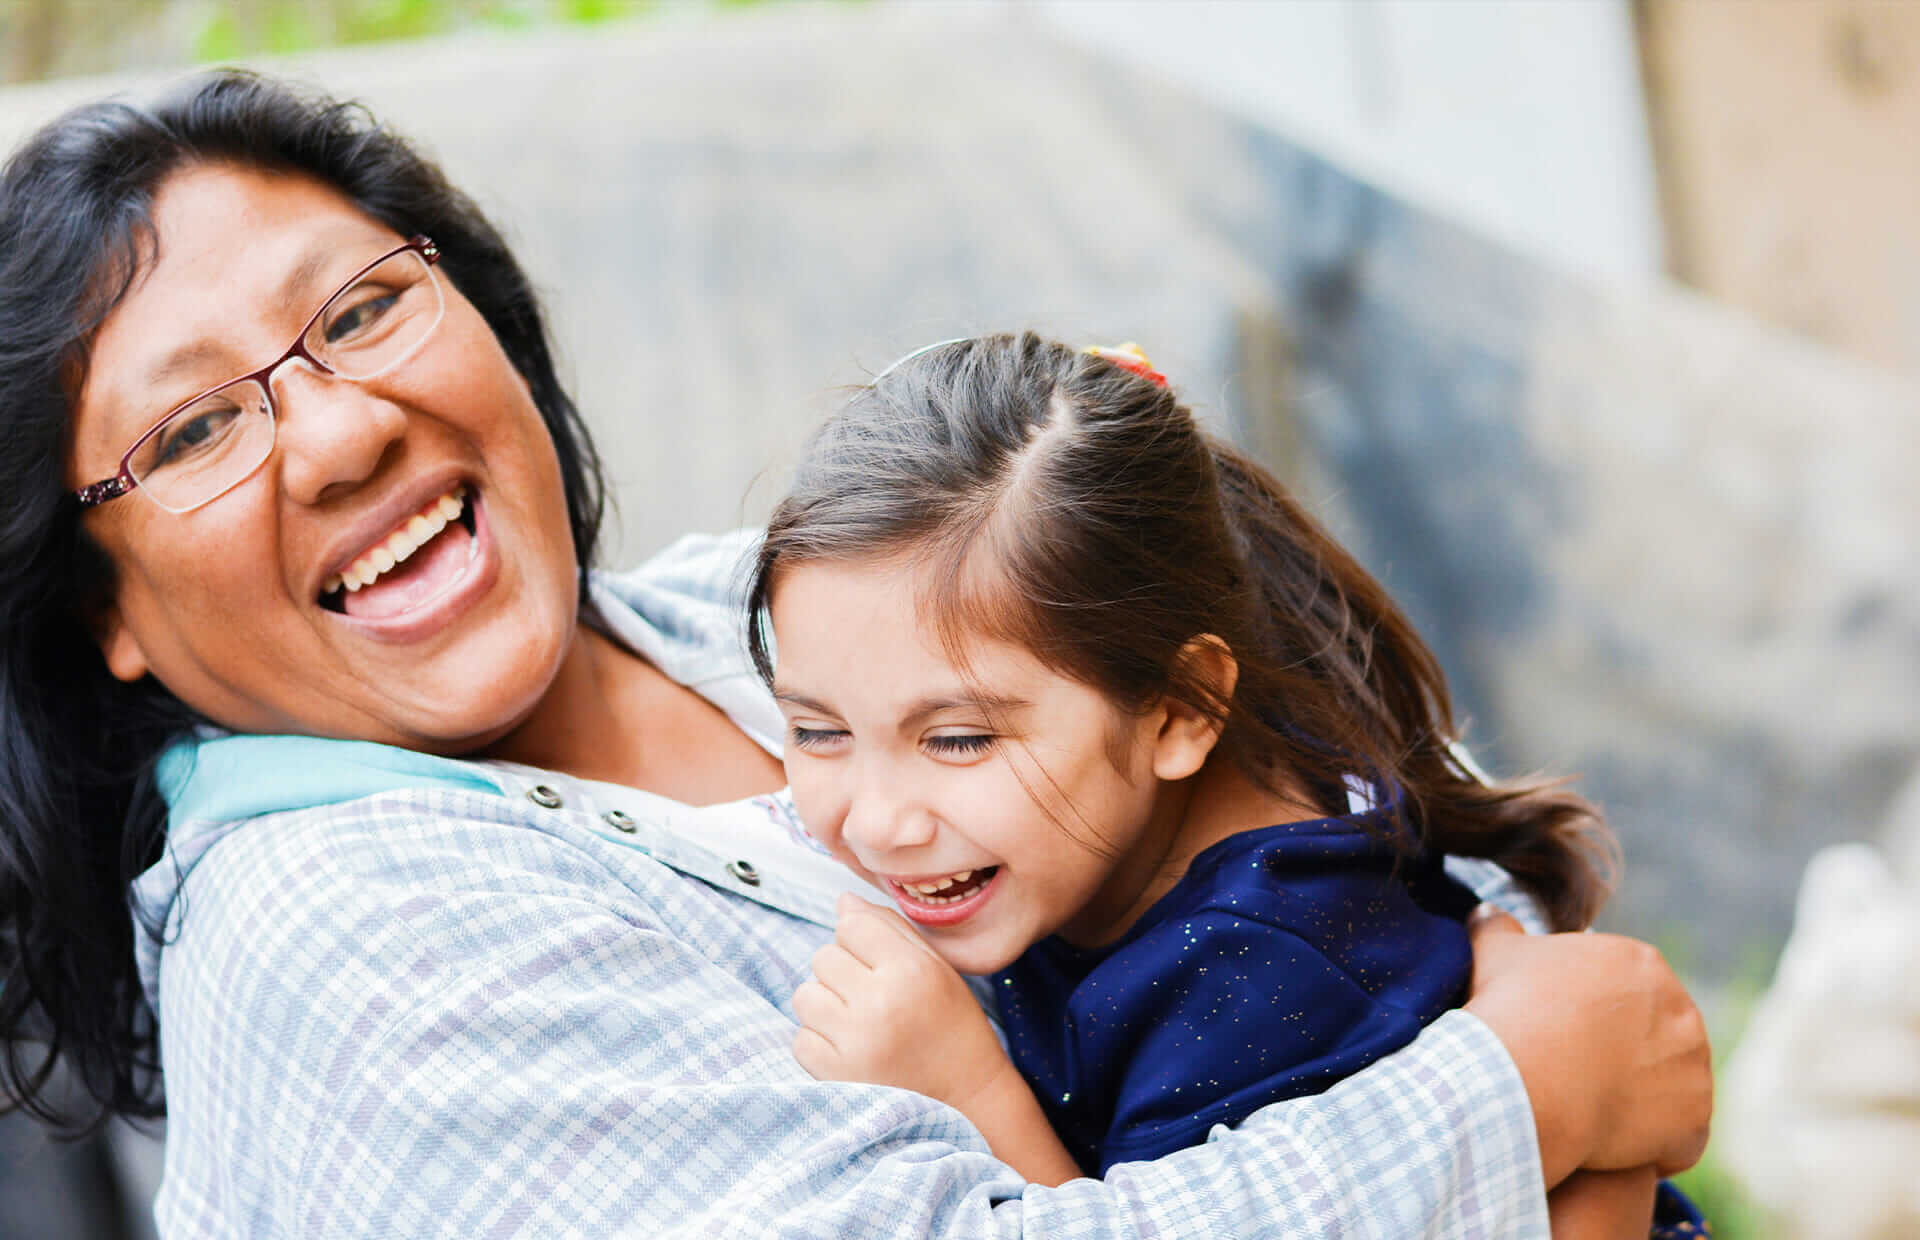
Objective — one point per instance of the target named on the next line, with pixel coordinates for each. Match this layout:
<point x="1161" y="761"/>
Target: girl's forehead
<point x="863" y="629"/>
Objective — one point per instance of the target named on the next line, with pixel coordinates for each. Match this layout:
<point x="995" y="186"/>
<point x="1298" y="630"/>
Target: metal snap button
<point x="544" y="797"/>
<point x="744" y="871"/>
<point x="620" y="822"/>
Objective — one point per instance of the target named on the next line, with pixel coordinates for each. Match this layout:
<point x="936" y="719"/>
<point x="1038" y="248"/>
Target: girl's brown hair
<point x="1076" y="509"/>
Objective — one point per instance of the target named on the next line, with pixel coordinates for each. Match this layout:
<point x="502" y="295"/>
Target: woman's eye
<point x="350" y="321"/>
<point x="815" y="739"/>
<point x="962" y="745"/>
<point x="188" y="435"/>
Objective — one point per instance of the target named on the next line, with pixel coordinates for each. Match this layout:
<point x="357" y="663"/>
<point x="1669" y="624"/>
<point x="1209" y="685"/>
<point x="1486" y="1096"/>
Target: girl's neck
<point x="1191" y="817"/>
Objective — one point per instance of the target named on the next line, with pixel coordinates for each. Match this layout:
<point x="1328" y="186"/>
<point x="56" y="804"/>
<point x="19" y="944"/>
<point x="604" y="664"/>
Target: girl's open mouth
<point x="944" y="901"/>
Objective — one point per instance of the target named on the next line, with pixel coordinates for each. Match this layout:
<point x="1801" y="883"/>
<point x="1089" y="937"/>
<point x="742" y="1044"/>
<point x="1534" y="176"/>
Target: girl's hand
<point x="1611" y="1048"/>
<point x="883" y="1008"/>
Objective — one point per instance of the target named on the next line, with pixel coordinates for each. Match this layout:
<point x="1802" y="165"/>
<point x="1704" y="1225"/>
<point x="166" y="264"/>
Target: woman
<point x="430" y="934"/>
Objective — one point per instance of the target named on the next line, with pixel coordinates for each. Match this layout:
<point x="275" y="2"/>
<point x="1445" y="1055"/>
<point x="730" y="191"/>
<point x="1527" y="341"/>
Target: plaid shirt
<point x="413" y="996"/>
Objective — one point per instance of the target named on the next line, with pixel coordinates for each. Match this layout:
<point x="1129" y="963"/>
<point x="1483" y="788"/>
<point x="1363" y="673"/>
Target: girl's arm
<point x="883" y="1008"/>
<point x="1603" y="1205"/>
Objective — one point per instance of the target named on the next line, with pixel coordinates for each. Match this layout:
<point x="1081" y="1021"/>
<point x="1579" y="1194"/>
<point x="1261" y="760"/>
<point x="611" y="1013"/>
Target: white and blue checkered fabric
<point x="435" y="1011"/>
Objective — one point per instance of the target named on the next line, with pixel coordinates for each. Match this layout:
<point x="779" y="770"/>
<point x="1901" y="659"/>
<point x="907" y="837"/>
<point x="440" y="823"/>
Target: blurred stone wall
<point x="1655" y="545"/>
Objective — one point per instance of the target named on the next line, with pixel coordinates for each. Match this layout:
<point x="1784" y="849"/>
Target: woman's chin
<point x="461" y="713"/>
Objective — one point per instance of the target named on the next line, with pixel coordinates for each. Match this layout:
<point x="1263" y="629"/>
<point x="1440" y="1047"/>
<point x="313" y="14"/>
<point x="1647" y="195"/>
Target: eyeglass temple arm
<point x="101" y="492"/>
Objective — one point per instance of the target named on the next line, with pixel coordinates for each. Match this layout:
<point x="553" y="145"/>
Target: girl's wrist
<point x="996" y="1087"/>
<point x="1010" y="1117"/>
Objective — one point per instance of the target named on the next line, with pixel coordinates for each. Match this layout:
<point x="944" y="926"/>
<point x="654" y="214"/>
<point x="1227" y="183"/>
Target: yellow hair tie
<point x="1128" y="357"/>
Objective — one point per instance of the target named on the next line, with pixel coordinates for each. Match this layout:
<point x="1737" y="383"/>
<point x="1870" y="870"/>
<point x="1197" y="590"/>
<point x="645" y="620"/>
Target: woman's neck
<point x="1219" y="802"/>
<point x="611" y="715"/>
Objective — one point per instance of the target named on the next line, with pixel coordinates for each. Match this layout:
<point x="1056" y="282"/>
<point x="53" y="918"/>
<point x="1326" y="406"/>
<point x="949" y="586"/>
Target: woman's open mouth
<point x="944" y="901"/>
<point x="423" y="559"/>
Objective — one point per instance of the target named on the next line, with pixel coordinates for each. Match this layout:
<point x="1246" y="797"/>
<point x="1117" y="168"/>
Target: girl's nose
<point x="332" y="433"/>
<point x="879" y="822"/>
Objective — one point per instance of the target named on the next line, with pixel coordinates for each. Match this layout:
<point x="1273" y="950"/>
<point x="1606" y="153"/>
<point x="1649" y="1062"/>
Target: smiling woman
<point x="464" y="895"/>
<point x="78" y="243"/>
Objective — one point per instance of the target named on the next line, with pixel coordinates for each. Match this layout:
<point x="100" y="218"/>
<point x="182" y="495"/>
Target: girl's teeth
<point x="940" y="885"/>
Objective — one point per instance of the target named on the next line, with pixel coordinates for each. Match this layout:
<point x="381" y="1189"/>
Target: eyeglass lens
<point x="214" y="442"/>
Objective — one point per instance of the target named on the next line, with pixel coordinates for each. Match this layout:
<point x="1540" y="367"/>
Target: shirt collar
<point x="217" y="777"/>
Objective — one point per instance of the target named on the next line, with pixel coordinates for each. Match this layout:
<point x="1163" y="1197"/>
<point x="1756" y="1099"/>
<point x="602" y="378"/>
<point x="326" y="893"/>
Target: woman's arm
<point x="442" y="1015"/>
<point x="1611" y="1047"/>
<point x="1604" y="1205"/>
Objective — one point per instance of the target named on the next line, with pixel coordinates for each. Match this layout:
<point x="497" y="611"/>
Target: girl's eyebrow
<point x="991" y="703"/>
<point x="801" y="700"/>
<point x="994" y="705"/>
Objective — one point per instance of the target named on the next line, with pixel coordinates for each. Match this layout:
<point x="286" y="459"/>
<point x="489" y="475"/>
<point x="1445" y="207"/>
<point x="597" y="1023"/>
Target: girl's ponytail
<point x="1390" y="708"/>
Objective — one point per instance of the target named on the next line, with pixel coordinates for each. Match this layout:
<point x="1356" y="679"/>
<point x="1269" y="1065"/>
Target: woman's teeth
<point x="412" y="534"/>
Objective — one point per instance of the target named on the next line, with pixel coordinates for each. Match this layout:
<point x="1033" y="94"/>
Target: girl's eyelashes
<point x="950" y="745"/>
<point x="962" y="745"/>
<point x="814" y="739"/>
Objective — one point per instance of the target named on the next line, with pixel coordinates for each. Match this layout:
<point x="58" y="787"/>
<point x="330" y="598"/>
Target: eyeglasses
<point x="212" y="443"/>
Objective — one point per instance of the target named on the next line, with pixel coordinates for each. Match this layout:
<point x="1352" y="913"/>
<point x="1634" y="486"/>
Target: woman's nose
<point x="332" y="433"/>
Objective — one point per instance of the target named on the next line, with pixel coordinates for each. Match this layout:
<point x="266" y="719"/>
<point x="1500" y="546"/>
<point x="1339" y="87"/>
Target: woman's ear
<point x="1187" y="733"/>
<point x="125" y="657"/>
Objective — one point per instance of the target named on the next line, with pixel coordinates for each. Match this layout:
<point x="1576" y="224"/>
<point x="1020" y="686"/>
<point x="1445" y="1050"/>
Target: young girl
<point x="1115" y="722"/>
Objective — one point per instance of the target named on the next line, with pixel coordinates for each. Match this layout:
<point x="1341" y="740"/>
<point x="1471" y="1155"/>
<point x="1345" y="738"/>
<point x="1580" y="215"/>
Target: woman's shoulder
<point x="421" y="840"/>
<point x="407" y="883"/>
<point x="707" y="568"/>
<point x="330" y="959"/>
<point x="683" y="608"/>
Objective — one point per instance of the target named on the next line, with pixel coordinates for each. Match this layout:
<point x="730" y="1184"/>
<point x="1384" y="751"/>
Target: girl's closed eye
<point x="959" y="745"/>
<point x="815" y="740"/>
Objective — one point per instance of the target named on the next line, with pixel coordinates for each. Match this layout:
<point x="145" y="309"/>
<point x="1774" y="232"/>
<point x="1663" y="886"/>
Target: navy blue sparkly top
<point x="1287" y="958"/>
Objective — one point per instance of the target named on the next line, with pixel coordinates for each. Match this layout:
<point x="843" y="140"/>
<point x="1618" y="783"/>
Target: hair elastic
<point x="1128" y="356"/>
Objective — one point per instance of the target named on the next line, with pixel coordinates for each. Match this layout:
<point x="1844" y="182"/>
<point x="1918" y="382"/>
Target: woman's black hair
<point x="79" y="812"/>
<point x="1057" y="501"/>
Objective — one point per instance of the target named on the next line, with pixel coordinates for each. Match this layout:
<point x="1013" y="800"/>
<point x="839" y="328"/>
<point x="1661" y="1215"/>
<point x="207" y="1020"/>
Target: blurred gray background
<point x="1658" y="544"/>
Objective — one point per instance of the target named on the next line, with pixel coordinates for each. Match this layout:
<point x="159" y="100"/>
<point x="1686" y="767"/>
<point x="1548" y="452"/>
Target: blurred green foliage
<point x="1721" y="1198"/>
<point x="50" y="38"/>
<point x="1724" y="1203"/>
<point x="281" y="26"/>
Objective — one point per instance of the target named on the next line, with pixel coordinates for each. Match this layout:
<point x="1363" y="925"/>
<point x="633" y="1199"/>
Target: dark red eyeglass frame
<point x="123" y="482"/>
